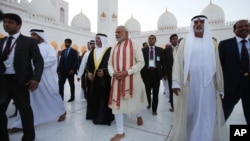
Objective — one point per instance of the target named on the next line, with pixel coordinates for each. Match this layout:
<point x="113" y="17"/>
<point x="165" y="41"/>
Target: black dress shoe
<point x="154" y="113"/>
<point x="148" y="107"/>
<point x="70" y="100"/>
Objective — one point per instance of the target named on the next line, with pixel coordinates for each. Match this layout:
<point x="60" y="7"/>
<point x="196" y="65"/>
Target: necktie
<point x="67" y="52"/>
<point x="7" y="49"/>
<point x="244" y="57"/>
<point x="151" y="55"/>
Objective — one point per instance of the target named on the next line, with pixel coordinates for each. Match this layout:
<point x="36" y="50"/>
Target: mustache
<point x="199" y="27"/>
<point x="246" y="30"/>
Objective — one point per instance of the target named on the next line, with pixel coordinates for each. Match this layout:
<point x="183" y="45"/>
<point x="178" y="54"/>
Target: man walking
<point x="17" y="52"/>
<point x="67" y="69"/>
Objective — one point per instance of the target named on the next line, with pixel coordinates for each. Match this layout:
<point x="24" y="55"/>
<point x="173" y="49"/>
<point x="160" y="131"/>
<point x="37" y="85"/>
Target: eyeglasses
<point x="199" y="19"/>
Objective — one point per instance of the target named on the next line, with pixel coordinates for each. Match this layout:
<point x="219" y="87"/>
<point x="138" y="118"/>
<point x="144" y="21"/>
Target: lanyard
<point x="11" y="48"/>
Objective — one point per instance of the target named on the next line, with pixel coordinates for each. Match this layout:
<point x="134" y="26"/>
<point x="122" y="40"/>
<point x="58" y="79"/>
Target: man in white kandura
<point x="81" y="71"/>
<point x="198" y="82"/>
<point x="46" y="102"/>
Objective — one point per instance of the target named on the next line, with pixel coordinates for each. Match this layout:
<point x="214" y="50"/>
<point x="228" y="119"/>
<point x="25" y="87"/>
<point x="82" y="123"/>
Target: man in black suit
<point x="236" y="74"/>
<point x="17" y="52"/>
<point x="153" y="71"/>
<point x="169" y="52"/>
<point x="67" y="69"/>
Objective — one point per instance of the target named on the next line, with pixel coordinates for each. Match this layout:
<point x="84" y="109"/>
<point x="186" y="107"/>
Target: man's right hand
<point x="176" y="91"/>
<point x="90" y="76"/>
<point x="119" y="75"/>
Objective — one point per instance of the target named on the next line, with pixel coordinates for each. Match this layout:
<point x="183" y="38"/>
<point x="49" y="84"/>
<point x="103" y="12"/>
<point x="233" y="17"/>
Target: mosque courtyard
<point x="77" y="128"/>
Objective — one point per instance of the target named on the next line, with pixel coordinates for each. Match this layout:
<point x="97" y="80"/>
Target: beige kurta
<point x="180" y="128"/>
<point x="131" y="105"/>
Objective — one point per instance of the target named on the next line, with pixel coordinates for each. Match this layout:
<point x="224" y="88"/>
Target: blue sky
<point x="147" y="12"/>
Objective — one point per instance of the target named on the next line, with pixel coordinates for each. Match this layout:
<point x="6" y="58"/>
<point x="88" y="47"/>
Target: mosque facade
<point x="52" y="16"/>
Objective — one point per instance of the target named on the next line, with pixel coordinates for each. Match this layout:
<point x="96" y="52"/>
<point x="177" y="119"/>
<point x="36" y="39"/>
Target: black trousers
<point x="21" y="97"/>
<point x="3" y="90"/>
<point x="171" y="99"/>
<point x="62" y="80"/>
<point x="88" y="93"/>
<point x="232" y="98"/>
<point x="84" y="84"/>
<point x="152" y="83"/>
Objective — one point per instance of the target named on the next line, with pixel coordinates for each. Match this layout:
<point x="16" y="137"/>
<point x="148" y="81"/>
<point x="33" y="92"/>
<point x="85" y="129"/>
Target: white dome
<point x="80" y="22"/>
<point x="42" y="8"/>
<point x="133" y="25"/>
<point x="214" y="13"/>
<point x="167" y="21"/>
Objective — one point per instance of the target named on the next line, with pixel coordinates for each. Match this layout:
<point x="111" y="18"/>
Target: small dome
<point x="215" y="14"/>
<point x="80" y="22"/>
<point x="42" y="8"/>
<point x="167" y="21"/>
<point x="133" y="25"/>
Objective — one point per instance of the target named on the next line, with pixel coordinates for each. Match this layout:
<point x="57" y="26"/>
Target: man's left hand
<point x="120" y="75"/>
<point x="100" y="73"/>
<point x="71" y="72"/>
<point x="32" y="85"/>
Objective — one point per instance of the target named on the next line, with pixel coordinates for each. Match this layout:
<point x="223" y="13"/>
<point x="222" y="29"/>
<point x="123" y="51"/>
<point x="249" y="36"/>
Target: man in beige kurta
<point x="127" y="89"/>
<point x="198" y="82"/>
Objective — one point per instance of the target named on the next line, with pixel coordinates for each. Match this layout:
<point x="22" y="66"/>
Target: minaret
<point x="107" y="19"/>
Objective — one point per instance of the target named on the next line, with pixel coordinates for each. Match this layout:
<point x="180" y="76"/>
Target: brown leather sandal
<point x="139" y="121"/>
<point x="62" y="117"/>
<point x="14" y="130"/>
<point x="118" y="137"/>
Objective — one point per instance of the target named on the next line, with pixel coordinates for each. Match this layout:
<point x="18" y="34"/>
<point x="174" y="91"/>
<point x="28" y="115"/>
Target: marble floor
<point x="76" y="128"/>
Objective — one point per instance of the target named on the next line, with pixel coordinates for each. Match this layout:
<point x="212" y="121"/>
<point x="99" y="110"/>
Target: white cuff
<point x="175" y="84"/>
<point x="130" y="71"/>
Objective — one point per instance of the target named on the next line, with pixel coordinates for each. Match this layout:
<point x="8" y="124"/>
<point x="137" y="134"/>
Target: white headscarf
<point x="40" y="33"/>
<point x="104" y="41"/>
<point x="208" y="52"/>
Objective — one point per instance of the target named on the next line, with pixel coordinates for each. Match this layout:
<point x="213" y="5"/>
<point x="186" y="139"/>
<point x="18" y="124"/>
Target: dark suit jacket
<point x="68" y="63"/>
<point x="230" y="62"/>
<point x="26" y="50"/>
<point x="2" y="66"/>
<point x="169" y="59"/>
<point x="160" y="64"/>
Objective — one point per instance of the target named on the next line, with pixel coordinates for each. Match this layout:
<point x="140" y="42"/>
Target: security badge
<point x="158" y="58"/>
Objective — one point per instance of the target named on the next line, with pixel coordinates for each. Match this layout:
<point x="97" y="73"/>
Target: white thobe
<point x="202" y="99"/>
<point x="198" y="108"/>
<point x="83" y="64"/>
<point x="82" y="69"/>
<point x="46" y="102"/>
